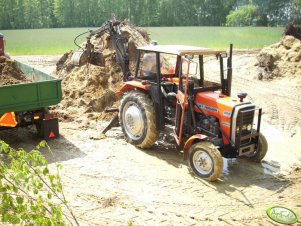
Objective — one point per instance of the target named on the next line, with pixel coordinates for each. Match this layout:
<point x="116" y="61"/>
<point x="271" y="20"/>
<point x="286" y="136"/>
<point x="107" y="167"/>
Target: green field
<point x="60" y="40"/>
<point x="218" y="37"/>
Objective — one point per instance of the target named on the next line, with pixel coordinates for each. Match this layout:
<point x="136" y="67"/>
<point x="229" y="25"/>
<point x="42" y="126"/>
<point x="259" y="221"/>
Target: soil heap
<point x="292" y="30"/>
<point x="10" y="73"/>
<point x="90" y="88"/>
<point x="282" y="59"/>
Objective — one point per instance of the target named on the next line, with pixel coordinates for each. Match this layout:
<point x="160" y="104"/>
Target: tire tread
<point x="152" y="134"/>
<point x="216" y="156"/>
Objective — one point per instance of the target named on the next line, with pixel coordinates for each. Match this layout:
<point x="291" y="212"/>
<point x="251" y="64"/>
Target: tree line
<point x="25" y="14"/>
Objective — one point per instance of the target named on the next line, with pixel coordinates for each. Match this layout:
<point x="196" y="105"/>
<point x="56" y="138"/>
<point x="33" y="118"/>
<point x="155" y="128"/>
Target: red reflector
<point x="51" y="135"/>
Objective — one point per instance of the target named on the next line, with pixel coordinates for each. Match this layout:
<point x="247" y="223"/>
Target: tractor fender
<point x="131" y="85"/>
<point x="193" y="139"/>
<point x="148" y="89"/>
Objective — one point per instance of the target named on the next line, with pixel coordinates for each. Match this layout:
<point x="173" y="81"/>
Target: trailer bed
<point x="44" y="90"/>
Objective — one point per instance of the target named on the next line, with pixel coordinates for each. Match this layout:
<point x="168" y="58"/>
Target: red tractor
<point x="206" y="121"/>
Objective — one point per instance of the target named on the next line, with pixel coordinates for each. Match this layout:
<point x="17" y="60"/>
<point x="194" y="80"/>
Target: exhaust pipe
<point x="229" y="71"/>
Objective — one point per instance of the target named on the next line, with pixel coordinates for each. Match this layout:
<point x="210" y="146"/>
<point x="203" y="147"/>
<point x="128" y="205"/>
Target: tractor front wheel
<point x="206" y="161"/>
<point x="260" y="151"/>
<point x="138" y="120"/>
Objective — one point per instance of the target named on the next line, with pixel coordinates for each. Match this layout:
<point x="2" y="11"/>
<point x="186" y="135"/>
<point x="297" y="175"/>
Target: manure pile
<point x="10" y="73"/>
<point x="282" y="59"/>
<point x="90" y="88"/>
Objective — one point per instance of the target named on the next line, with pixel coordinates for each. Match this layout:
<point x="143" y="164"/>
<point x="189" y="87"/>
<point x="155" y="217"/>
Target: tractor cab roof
<point x="181" y="50"/>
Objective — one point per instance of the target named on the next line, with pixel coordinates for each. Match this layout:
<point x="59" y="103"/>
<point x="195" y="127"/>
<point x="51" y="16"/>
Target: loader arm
<point x="122" y="56"/>
<point x="112" y="27"/>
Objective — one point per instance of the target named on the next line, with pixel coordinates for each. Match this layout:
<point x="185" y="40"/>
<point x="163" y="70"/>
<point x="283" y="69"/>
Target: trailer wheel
<point x="206" y="161"/>
<point x="261" y="150"/>
<point x="137" y="119"/>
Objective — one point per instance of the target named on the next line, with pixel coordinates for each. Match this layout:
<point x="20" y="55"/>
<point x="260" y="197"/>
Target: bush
<point x="298" y="4"/>
<point x="247" y="15"/>
<point x="29" y="193"/>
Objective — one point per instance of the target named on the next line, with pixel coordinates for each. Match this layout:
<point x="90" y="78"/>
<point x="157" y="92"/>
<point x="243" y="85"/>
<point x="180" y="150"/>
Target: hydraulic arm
<point x="90" y="55"/>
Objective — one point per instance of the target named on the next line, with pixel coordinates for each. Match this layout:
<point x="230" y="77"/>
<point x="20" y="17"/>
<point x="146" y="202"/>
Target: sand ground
<point x="110" y="182"/>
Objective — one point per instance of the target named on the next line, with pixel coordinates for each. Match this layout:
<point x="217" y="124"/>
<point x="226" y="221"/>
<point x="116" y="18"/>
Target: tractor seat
<point x="170" y="97"/>
<point x="148" y="75"/>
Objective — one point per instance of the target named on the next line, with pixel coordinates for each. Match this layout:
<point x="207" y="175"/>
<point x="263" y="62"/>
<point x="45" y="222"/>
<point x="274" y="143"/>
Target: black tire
<point x="138" y="120"/>
<point x="212" y="160"/>
<point x="261" y="150"/>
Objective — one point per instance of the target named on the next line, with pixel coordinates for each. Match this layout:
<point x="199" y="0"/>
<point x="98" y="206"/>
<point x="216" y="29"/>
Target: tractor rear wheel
<point x="138" y="120"/>
<point x="261" y="150"/>
<point x="206" y="161"/>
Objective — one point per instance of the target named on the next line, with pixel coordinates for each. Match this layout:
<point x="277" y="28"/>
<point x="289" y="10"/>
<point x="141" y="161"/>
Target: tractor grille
<point x="245" y="116"/>
<point x="244" y="125"/>
<point x="245" y="128"/>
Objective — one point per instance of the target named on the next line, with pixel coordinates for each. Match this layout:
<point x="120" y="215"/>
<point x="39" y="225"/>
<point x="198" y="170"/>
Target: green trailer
<point x="27" y="103"/>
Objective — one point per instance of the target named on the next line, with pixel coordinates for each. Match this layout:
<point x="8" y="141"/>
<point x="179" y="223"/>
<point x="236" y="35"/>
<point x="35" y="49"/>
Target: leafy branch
<point x="29" y="193"/>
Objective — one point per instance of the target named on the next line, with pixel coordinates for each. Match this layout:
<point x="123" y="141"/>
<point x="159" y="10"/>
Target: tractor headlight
<point x="249" y="127"/>
<point x="244" y="127"/>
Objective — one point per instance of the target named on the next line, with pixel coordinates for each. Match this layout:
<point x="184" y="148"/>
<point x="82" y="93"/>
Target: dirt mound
<point x="282" y="59"/>
<point x="90" y="88"/>
<point x="10" y="73"/>
<point x="293" y="31"/>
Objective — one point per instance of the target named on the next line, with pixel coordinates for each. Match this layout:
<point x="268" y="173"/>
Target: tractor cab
<point x="170" y="88"/>
<point x="169" y="68"/>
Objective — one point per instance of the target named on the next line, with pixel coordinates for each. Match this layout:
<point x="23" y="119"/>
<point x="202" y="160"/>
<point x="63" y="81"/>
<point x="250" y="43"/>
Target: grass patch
<point x="217" y="37"/>
<point x="60" y="40"/>
<point x="41" y="41"/>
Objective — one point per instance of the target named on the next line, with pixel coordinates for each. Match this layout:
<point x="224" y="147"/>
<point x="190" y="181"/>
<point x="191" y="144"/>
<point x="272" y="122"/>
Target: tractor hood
<point x="218" y="105"/>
